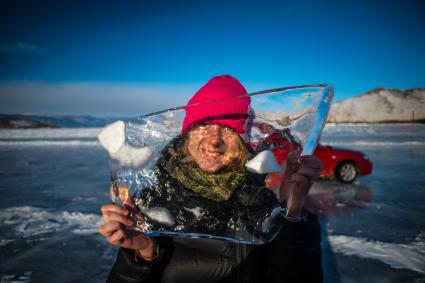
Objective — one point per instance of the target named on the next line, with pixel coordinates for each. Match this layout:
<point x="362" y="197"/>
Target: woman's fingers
<point x="112" y="212"/>
<point x="300" y="172"/>
<point x="301" y="179"/>
<point x="311" y="173"/>
<point x="116" y="234"/>
<point x="115" y="217"/>
<point x="109" y="228"/>
<point x="310" y="166"/>
<point x="113" y="208"/>
<point x="117" y="237"/>
<point x="114" y="228"/>
<point x="311" y="161"/>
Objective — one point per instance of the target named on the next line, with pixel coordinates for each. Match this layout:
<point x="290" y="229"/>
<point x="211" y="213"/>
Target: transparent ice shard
<point x="140" y="149"/>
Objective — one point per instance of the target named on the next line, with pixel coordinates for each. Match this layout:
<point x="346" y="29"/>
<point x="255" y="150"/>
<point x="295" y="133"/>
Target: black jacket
<point x="294" y="255"/>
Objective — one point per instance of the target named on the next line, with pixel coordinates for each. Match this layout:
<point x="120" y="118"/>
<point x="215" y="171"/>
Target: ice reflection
<point x="197" y="170"/>
<point x="328" y="198"/>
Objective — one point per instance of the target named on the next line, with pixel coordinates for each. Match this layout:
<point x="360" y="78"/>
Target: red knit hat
<point x="222" y="100"/>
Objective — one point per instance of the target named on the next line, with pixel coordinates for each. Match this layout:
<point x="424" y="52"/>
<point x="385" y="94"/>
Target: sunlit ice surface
<point x="154" y="165"/>
<point x="54" y="182"/>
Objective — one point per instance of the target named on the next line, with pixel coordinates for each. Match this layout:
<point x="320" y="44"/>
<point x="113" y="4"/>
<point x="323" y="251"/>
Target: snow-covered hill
<point x="381" y="105"/>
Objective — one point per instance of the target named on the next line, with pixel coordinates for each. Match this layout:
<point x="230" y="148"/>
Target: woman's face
<point x="213" y="147"/>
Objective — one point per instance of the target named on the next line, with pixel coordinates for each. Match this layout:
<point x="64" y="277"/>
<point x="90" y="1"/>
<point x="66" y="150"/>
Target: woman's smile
<point x="212" y="154"/>
<point x="213" y="147"/>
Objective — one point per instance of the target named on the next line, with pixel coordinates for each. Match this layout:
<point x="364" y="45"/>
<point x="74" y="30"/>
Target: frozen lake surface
<point x="53" y="182"/>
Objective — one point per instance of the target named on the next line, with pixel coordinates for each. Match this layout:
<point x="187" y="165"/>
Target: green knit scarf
<point x="215" y="187"/>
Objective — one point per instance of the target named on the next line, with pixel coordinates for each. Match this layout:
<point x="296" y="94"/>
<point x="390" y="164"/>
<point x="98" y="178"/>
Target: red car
<point x="343" y="164"/>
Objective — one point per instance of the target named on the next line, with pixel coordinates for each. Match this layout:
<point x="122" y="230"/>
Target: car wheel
<point x="346" y="172"/>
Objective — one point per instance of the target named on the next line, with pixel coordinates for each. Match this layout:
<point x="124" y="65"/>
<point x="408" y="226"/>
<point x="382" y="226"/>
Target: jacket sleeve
<point x="295" y="254"/>
<point x="260" y="206"/>
<point x="127" y="270"/>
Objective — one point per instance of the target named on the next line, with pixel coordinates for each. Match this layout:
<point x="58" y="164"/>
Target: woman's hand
<point x="115" y="230"/>
<point x="299" y="176"/>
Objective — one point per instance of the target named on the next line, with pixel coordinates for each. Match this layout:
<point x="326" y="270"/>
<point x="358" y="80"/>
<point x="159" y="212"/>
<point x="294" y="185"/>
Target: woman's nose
<point x="216" y="137"/>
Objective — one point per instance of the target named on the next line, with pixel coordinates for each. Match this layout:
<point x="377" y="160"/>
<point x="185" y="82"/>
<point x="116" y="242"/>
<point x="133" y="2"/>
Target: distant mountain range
<point x="381" y="105"/>
<point x="56" y="121"/>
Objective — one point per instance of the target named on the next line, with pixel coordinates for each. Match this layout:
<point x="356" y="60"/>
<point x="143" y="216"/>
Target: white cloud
<point x="21" y="46"/>
<point x="26" y="46"/>
<point x="92" y="98"/>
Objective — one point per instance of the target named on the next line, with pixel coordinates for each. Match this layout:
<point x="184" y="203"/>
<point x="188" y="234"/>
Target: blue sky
<point x="133" y="57"/>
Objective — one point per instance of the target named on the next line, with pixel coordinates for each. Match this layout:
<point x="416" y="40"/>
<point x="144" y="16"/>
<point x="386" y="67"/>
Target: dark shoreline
<point x="22" y="121"/>
<point x="25" y="124"/>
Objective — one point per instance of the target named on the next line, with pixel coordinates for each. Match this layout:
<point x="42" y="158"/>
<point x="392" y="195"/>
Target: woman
<point x="204" y="164"/>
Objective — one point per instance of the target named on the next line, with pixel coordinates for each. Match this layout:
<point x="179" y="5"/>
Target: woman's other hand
<point x="300" y="172"/>
<point x="115" y="229"/>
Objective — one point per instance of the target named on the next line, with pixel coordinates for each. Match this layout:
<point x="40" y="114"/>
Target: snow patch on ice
<point x="404" y="256"/>
<point x="197" y="211"/>
<point x="132" y="156"/>
<point x="61" y="133"/>
<point x="28" y="222"/>
<point x="21" y="277"/>
<point x="160" y="215"/>
<point x="49" y="137"/>
<point x="264" y="162"/>
<point x="112" y="137"/>
<point x="49" y="143"/>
